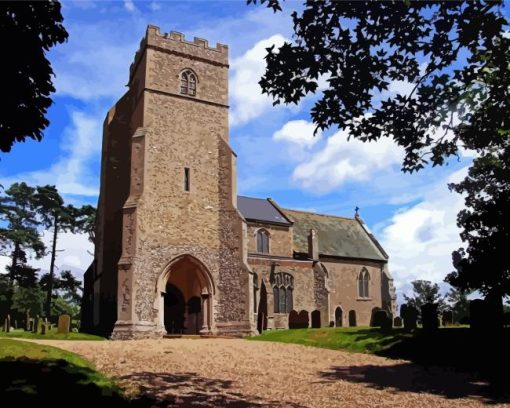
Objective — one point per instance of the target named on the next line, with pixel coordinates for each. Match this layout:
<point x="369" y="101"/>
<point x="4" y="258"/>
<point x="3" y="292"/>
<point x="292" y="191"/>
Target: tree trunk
<point x="52" y="267"/>
<point x="14" y="264"/>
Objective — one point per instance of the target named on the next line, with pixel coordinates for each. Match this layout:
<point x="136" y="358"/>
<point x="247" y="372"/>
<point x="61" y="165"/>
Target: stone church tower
<point x="168" y="226"/>
<point x="177" y="251"/>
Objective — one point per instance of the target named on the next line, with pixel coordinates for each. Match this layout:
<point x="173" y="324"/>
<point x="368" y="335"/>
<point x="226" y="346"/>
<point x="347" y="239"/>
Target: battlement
<point x="179" y="37"/>
<point x="175" y="42"/>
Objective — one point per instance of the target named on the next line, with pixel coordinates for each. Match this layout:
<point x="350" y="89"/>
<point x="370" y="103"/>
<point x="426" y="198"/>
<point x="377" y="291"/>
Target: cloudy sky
<point x="412" y="215"/>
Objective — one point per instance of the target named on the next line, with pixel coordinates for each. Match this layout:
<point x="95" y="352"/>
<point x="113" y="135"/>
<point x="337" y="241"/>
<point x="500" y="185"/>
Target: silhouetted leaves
<point x="446" y="51"/>
<point x="27" y="31"/>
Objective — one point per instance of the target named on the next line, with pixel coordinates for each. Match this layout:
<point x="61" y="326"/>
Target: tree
<point x="484" y="264"/>
<point x="24" y="275"/>
<point x="59" y="217"/>
<point x="28" y="299"/>
<point x="29" y="30"/>
<point x="17" y="211"/>
<point x="446" y="51"/>
<point x="69" y="286"/>
<point x="425" y="292"/>
<point x="459" y="303"/>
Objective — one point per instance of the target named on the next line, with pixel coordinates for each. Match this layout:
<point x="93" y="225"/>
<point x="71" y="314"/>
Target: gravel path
<point x="242" y="373"/>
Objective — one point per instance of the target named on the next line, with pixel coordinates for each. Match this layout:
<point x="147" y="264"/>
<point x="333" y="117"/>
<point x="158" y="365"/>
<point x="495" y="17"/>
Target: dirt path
<point x="242" y="373"/>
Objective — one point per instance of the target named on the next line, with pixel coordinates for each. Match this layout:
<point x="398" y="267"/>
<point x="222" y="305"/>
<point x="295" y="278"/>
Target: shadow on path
<point x="190" y="389"/>
<point x="409" y="377"/>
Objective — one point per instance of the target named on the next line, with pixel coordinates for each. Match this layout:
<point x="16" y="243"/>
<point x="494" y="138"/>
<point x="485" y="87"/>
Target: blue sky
<point x="412" y="215"/>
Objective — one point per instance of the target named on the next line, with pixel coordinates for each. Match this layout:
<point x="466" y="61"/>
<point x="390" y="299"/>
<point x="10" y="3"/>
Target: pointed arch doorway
<point x="186" y="289"/>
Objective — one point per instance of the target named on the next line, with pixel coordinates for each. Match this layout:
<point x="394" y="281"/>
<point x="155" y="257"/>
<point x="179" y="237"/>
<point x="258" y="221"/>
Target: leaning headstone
<point x="35" y="324"/>
<point x="64" y="324"/>
<point x="429" y="317"/>
<point x="397" y="321"/>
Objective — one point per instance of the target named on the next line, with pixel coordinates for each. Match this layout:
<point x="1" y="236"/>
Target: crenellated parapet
<point x="175" y="43"/>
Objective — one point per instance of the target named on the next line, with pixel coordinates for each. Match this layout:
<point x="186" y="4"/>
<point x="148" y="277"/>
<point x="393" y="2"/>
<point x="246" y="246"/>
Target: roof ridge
<point x="316" y="213"/>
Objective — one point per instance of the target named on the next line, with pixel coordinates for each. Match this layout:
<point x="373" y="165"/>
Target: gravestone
<point x="303" y="320"/>
<point x="35" y="324"/>
<point x="293" y="320"/>
<point x="43" y="328"/>
<point x="64" y="324"/>
<point x="7" y="324"/>
<point x="379" y="318"/>
<point x="429" y="317"/>
<point x="447" y="317"/>
<point x="316" y="319"/>
<point x="27" y="328"/>
<point x="410" y="316"/>
<point x="397" y="321"/>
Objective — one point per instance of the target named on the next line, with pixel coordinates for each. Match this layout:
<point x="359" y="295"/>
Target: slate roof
<point x="260" y="209"/>
<point x="338" y="236"/>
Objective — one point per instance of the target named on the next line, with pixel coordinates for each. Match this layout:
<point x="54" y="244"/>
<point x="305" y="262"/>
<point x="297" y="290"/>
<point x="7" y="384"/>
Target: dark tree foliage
<point x="484" y="264"/>
<point x="447" y="49"/>
<point x="27" y="31"/>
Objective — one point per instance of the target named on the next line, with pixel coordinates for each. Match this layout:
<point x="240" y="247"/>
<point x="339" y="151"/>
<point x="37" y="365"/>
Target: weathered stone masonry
<point x="174" y="252"/>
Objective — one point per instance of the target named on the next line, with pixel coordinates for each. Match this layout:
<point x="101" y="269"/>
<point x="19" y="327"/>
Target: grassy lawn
<point x="51" y="335"/>
<point x="355" y="339"/>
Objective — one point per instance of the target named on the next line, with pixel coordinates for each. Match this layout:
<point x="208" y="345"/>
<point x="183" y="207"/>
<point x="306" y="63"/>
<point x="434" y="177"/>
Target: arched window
<point x="188" y="83"/>
<point x="363" y="283"/>
<point x="262" y="241"/>
<point x="283" y="286"/>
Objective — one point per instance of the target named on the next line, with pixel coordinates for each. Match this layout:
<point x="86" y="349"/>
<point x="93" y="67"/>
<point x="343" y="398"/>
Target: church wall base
<point x="129" y="330"/>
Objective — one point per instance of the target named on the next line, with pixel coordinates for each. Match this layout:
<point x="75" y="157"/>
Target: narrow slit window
<point x="186" y="179"/>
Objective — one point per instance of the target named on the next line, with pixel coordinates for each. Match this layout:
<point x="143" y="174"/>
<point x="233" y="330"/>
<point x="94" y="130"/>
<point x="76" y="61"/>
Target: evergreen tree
<point x="19" y="235"/>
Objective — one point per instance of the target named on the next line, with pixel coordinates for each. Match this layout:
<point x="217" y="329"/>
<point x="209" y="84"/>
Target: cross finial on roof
<point x="356" y="211"/>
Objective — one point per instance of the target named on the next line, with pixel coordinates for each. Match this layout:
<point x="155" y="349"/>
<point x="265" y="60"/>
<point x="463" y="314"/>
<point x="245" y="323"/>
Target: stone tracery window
<point x="188" y="83"/>
<point x="363" y="283"/>
<point x="262" y="241"/>
<point x="283" y="287"/>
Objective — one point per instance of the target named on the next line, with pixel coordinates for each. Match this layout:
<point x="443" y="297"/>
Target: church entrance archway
<point x="186" y="297"/>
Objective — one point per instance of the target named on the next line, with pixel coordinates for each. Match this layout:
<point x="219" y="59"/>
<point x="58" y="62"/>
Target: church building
<point x="179" y="252"/>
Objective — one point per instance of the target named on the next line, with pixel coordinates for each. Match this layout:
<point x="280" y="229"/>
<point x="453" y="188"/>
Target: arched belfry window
<point x="363" y="284"/>
<point x="188" y="83"/>
<point x="283" y="286"/>
<point x="262" y="241"/>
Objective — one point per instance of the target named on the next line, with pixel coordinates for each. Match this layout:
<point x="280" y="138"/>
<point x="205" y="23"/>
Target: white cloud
<point x="343" y="160"/>
<point x="421" y="238"/>
<point x="129" y="5"/>
<point x="72" y="173"/>
<point x="155" y="6"/>
<point x="246" y="96"/>
<point x="298" y="132"/>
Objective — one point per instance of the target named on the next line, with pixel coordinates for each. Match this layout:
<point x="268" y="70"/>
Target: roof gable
<point x="338" y="236"/>
<point x="261" y="210"/>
